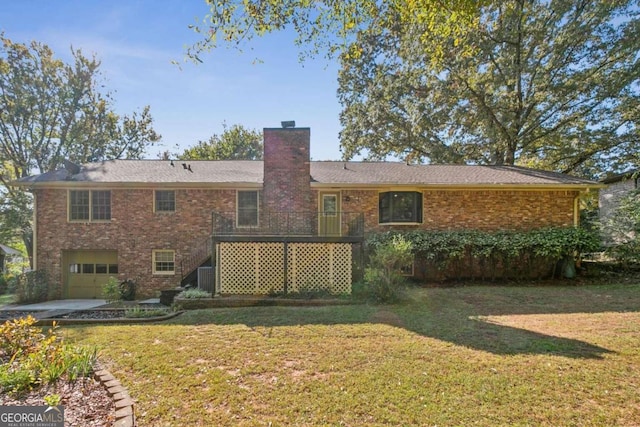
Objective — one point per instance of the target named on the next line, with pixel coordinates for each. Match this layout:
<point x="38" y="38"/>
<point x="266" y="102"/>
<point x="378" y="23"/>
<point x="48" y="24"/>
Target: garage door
<point x="87" y="271"/>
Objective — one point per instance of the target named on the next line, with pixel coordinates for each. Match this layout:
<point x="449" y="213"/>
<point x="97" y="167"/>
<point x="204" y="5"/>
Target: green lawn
<point x="7" y="299"/>
<point x="451" y="357"/>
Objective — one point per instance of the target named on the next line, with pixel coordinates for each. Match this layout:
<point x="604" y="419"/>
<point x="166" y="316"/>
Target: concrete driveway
<point x="63" y="304"/>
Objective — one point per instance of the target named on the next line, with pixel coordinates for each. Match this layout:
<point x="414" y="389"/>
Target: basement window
<point x="164" y="262"/>
<point x="400" y="207"/>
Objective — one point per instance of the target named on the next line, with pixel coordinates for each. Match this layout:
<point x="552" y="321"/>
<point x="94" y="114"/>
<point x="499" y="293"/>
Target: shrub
<point x="193" y="293"/>
<point x="383" y="282"/>
<point x="505" y="253"/>
<point x="128" y="290"/>
<point x="31" y="287"/>
<point x="622" y="230"/>
<point x="138" y="312"/>
<point x="111" y="291"/>
<point x="3" y="284"/>
<point x="30" y="358"/>
<point x="115" y="292"/>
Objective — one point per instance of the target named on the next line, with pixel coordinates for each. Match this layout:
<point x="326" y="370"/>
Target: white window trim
<point x="175" y="204"/>
<point x="153" y="263"/>
<point x="257" y="224"/>
<point x="413" y="268"/>
<point x="90" y="219"/>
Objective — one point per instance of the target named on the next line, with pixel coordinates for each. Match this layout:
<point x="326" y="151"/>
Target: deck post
<point x="285" y="247"/>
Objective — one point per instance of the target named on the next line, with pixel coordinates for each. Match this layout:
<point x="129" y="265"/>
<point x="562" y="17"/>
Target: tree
<point x="235" y="143"/>
<point x="548" y="84"/>
<point x="328" y="26"/>
<point x="622" y="229"/>
<point x="51" y="111"/>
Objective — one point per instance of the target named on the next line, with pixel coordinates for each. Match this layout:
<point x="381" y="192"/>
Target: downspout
<point x="34" y="238"/>
<point x="576" y="210"/>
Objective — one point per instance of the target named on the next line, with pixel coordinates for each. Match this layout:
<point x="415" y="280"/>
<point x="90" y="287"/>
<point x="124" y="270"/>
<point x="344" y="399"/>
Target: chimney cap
<point x="288" y="124"/>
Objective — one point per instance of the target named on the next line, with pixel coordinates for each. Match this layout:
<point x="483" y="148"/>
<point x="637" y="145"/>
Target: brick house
<point x="280" y="224"/>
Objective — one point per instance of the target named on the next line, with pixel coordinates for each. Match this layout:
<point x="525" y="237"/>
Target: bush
<point x="505" y="253"/>
<point x="622" y="230"/>
<point x="115" y="292"/>
<point x="4" y="285"/>
<point x="111" y="291"/>
<point x="383" y="282"/>
<point x="138" y="312"/>
<point x="30" y="358"/>
<point x="31" y="287"/>
<point x="193" y="293"/>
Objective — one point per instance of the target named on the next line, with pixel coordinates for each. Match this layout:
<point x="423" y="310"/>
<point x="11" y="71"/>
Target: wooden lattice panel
<point x="237" y="272"/>
<point x="319" y="266"/>
<point x="270" y="265"/>
<point x="258" y="267"/>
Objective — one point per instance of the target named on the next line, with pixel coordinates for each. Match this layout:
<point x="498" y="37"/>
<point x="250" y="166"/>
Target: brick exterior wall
<point x="135" y="230"/>
<point x="471" y="209"/>
<point x="287" y="174"/>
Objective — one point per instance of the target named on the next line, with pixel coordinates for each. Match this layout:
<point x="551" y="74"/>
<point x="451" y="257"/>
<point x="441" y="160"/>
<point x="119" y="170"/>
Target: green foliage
<point x="139" y="312"/>
<point x="111" y="291"/>
<point x="235" y="143"/>
<point x="31" y="287"/>
<point x="51" y="111"/>
<point x="53" y="399"/>
<point x="327" y="26"/>
<point x="193" y="293"/>
<point x="518" y="90"/>
<point x="32" y="358"/>
<point x="383" y="282"/>
<point x="518" y="252"/>
<point x="622" y="228"/>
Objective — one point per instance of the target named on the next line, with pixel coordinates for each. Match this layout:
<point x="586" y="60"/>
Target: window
<point x="79" y="205"/>
<point x="93" y="268"/>
<point x="86" y="205"/>
<point x="164" y="262"/>
<point x="400" y="206"/>
<point x="247" y="208"/>
<point x="101" y="205"/>
<point x="165" y="201"/>
<point x="408" y="270"/>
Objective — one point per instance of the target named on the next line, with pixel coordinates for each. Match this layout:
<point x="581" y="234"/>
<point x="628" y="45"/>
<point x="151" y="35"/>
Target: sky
<point x="136" y="42"/>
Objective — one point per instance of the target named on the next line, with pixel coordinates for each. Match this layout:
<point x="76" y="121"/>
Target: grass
<point x="473" y="355"/>
<point x="7" y="299"/>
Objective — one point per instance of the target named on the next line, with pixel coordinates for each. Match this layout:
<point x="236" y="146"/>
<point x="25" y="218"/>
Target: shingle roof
<point x="322" y="172"/>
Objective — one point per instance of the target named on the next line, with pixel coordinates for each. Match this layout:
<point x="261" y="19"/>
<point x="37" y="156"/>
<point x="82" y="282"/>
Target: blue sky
<point x="136" y="40"/>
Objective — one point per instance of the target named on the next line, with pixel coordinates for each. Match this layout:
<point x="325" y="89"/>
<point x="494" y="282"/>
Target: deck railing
<point x="346" y="224"/>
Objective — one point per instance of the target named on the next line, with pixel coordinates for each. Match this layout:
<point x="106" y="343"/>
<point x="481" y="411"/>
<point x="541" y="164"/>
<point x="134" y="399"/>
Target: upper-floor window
<point x="165" y="201"/>
<point x="89" y="205"/>
<point x="400" y="206"/>
<point x="247" y="204"/>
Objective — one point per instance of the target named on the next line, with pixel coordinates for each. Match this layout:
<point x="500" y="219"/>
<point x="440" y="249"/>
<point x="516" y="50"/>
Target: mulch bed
<point x="86" y="402"/>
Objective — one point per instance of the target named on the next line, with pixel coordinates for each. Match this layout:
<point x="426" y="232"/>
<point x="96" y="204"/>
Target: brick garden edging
<point x="125" y="416"/>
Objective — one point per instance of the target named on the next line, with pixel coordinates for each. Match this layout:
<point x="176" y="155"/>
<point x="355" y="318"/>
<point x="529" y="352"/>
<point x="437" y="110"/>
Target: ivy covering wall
<point x="473" y="254"/>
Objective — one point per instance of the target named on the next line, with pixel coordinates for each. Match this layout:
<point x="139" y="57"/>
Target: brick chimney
<point x="287" y="175"/>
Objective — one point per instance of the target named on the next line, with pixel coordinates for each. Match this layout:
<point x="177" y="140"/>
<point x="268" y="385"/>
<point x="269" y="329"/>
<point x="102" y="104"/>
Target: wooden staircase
<point x="199" y="256"/>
